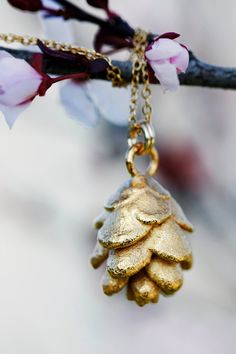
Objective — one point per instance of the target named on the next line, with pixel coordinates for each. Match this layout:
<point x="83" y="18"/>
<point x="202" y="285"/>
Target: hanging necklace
<point x="143" y="232"/>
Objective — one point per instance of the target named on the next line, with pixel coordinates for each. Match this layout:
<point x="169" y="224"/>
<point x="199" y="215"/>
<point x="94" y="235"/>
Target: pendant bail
<point x="142" y="130"/>
<point x="138" y="149"/>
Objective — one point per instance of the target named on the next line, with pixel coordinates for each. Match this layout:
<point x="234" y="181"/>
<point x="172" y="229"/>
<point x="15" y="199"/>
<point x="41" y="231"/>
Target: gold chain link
<point x="139" y="70"/>
<point x="141" y="137"/>
<point x="146" y="94"/>
<point x="113" y="72"/>
<point x="115" y="76"/>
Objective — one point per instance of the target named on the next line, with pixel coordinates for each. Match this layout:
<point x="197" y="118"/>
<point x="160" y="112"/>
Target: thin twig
<point x="116" y="25"/>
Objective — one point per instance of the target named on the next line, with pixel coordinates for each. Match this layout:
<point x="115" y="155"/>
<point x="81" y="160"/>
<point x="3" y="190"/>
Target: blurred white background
<point x="56" y="175"/>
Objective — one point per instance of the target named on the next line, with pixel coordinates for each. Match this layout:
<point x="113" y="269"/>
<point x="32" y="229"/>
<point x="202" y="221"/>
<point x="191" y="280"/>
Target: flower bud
<point x="27" y="5"/>
<point x="167" y="58"/>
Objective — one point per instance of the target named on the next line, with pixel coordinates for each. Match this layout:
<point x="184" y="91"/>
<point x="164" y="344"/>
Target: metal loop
<point x="147" y="110"/>
<point x="135" y="150"/>
<point x="146" y="92"/>
<point x="137" y="65"/>
<point x="144" y="129"/>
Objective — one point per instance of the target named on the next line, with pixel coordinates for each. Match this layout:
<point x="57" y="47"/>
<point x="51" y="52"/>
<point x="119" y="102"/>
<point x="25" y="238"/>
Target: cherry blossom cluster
<point x="21" y="81"/>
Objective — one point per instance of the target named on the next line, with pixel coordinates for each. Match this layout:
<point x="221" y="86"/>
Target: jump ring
<point x="133" y="151"/>
<point x="147" y="132"/>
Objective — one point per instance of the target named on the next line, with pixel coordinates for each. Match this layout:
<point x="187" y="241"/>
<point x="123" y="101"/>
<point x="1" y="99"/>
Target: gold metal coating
<point x="142" y="290"/>
<point x="125" y="262"/>
<point x="144" y="129"/>
<point x="139" y="69"/>
<point x="135" y="150"/>
<point x="112" y="285"/>
<point x="100" y="219"/>
<point x="123" y="233"/>
<point x="145" y="234"/>
<point x="167" y="275"/>
<point x="141" y="137"/>
<point x="99" y="255"/>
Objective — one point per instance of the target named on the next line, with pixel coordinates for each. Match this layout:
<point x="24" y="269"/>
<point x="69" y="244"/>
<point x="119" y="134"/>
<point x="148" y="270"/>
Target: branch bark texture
<point x="198" y="73"/>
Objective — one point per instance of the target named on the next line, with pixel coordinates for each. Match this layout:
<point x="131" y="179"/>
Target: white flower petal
<point x="12" y="113"/>
<point x="112" y="103"/>
<point x="51" y="4"/>
<point x="167" y="75"/>
<point x="16" y="69"/>
<point x="18" y="81"/>
<point x="19" y="93"/>
<point x="88" y="102"/>
<point x="163" y="48"/>
<point x="56" y="27"/>
<point x="4" y="54"/>
<point x="78" y="103"/>
<point x="181" y="61"/>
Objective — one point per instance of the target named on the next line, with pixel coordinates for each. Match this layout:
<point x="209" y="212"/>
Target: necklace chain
<point x="113" y="72"/>
<point x="139" y="70"/>
<point x="141" y="136"/>
<point x="139" y="67"/>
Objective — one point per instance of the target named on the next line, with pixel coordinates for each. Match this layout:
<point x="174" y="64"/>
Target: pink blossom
<point x="19" y="84"/>
<point x="167" y="58"/>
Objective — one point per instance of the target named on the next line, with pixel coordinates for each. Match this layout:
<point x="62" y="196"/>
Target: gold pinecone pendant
<point x="143" y="236"/>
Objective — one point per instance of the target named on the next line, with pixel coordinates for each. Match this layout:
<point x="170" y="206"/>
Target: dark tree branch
<point x="198" y="73"/>
<point x="203" y="74"/>
<point x="116" y="25"/>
